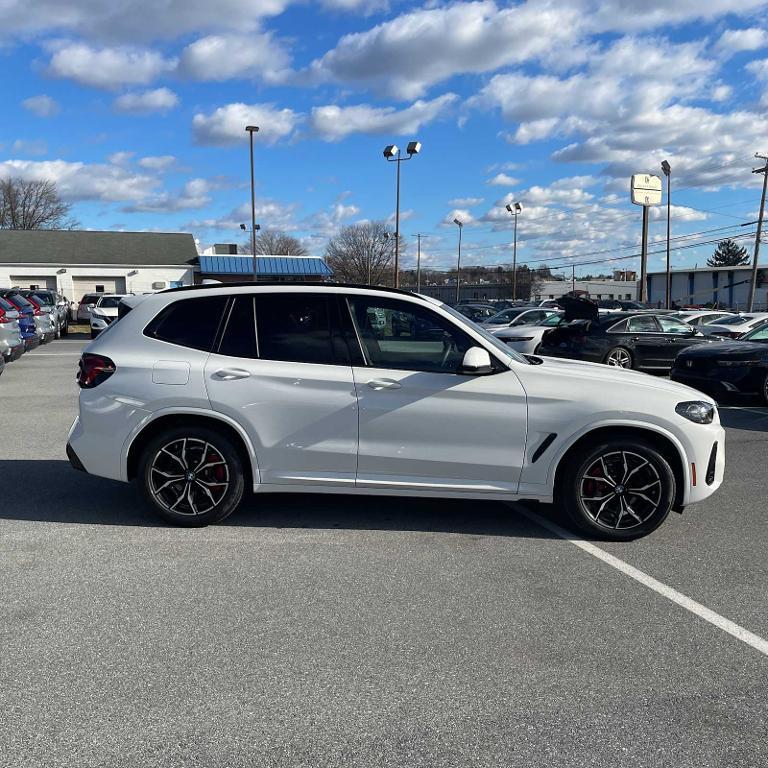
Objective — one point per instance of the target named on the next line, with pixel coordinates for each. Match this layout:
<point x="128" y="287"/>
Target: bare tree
<point x="32" y="205"/>
<point x="362" y="253"/>
<point x="273" y="242"/>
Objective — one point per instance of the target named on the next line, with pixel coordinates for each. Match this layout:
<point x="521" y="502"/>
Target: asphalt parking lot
<point x="330" y="631"/>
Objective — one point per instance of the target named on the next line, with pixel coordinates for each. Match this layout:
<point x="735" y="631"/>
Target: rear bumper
<point x="15" y="353"/>
<point x="31" y="342"/>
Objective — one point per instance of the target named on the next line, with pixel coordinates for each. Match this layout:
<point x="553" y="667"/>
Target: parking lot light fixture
<point x="392" y="155"/>
<point x="515" y="209"/>
<point x="667" y="169"/>
<point x="460" y="225"/>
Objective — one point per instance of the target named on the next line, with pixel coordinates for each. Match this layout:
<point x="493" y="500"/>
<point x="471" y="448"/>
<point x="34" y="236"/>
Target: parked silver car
<point x="56" y="305"/>
<point x="83" y="312"/>
<point x="11" y="343"/>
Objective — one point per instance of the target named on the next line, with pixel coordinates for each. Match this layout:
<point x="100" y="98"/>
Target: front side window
<point x="759" y="334"/>
<point x="668" y="325"/>
<point x="189" y="322"/>
<point x="408" y="337"/>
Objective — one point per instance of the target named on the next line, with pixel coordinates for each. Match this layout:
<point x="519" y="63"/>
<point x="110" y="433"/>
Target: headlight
<point x="697" y="411"/>
<point x="734" y="363"/>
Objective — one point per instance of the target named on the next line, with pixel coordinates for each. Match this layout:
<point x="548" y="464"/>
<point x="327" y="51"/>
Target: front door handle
<point x="230" y="374"/>
<point x="379" y="384"/>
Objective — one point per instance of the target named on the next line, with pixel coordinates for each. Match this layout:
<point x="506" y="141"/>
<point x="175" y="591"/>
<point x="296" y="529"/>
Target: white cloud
<point x="418" y="49"/>
<point x="226" y="125"/>
<point x="735" y="40"/>
<point x="359" y="6"/>
<point x="143" y="102"/>
<point x="503" y="180"/>
<point x="464" y="215"/>
<point x="333" y="123"/>
<point x="34" y="148"/>
<point x="134" y="20"/>
<point x="269" y="213"/>
<point x="195" y="194"/>
<point x="107" y="68"/>
<point x="223" y="57"/>
<point x="158" y="163"/>
<point x="80" y="181"/>
<point x="42" y="106"/>
<point x="120" y="158"/>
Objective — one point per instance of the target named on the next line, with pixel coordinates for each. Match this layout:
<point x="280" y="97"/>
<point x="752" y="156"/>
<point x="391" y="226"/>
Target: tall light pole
<point x="515" y="210"/>
<point x="460" y="225"/>
<point x="753" y="281"/>
<point x="667" y="168"/>
<point x="418" y="235"/>
<point x="392" y="155"/>
<point x="251" y="129"/>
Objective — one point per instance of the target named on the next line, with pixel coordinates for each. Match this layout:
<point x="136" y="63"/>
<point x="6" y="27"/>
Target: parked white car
<point x="526" y="340"/>
<point x="103" y="312"/>
<point x="733" y="327"/>
<point x="703" y="316"/>
<point x="200" y="394"/>
<point x="509" y="318"/>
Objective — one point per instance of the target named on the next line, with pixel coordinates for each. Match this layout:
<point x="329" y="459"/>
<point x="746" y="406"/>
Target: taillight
<point x="93" y="370"/>
<point x="3" y="317"/>
<point x="35" y="306"/>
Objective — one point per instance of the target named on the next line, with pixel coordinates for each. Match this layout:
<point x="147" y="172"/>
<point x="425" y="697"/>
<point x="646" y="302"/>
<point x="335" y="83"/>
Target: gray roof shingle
<point x="71" y="247"/>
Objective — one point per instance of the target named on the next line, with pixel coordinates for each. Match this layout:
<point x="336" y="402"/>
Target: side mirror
<point x="476" y="362"/>
<point x="90" y="306"/>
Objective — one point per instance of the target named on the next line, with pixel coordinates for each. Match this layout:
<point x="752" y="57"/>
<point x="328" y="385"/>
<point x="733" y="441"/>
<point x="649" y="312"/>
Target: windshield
<point x="759" y="334"/>
<point x="735" y="320"/>
<point x="109" y="302"/>
<point x="42" y="298"/>
<point x="504" y="316"/>
<point x="552" y="320"/>
<point x="498" y="344"/>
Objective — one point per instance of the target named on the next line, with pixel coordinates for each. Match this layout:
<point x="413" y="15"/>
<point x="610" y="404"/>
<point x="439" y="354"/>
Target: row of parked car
<point x="29" y="318"/>
<point x="714" y="351"/>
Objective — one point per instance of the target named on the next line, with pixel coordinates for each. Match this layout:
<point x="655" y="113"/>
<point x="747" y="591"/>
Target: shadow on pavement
<point x="74" y="497"/>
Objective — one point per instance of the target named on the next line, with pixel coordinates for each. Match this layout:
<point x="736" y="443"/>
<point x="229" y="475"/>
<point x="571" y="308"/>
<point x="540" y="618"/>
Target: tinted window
<point x="407" y="337"/>
<point x="19" y="301"/>
<point x="643" y="324"/>
<point x="111" y="302"/>
<point x="189" y="322"/>
<point x="759" y="334"/>
<point x="6" y="305"/>
<point x="619" y="327"/>
<point x="294" y="327"/>
<point x="240" y="336"/>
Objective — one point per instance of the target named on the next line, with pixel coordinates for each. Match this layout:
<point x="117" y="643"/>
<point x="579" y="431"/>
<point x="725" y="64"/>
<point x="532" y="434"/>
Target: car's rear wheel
<point x="619" y="357"/>
<point x="621" y="489"/>
<point x="764" y="391"/>
<point x="192" y="476"/>
<point x="65" y="327"/>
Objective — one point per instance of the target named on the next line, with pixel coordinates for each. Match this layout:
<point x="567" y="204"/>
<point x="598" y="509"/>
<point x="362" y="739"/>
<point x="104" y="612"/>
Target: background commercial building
<point x="709" y="285"/>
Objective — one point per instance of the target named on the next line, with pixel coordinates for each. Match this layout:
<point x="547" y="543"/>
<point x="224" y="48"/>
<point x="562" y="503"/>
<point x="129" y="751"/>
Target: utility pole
<point x="418" y="261"/>
<point x="573" y="279"/>
<point x="753" y="283"/>
<point x="251" y="129"/>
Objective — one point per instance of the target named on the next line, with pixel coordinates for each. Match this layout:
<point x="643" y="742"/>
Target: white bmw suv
<point x="199" y="394"/>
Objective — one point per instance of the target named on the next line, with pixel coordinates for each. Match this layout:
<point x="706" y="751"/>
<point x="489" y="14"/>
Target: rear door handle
<point x="230" y="374"/>
<point x="379" y="384"/>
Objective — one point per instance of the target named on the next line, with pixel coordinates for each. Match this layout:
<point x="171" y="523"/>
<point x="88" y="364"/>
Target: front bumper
<point x="744" y="380"/>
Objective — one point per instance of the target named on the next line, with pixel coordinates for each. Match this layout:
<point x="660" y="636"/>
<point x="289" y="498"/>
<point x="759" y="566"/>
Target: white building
<point x="728" y="286"/>
<point x="626" y="290"/>
<point x="78" y="262"/>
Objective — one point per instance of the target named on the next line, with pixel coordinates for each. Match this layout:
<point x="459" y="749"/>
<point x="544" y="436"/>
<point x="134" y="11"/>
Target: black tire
<point x="225" y="481"/>
<point x="94" y="334"/>
<point x="646" y="490"/>
<point x="65" y="328"/>
<point x="618" y="354"/>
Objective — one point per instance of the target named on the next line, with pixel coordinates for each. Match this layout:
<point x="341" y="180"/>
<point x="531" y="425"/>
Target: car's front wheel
<point x="192" y="476"/>
<point x="621" y="489"/>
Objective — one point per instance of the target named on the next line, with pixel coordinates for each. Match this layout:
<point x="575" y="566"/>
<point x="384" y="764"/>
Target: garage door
<point x="28" y="281"/>
<point x="83" y="285"/>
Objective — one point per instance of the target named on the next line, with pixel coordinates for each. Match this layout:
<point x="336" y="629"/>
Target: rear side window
<point x="643" y="324"/>
<point x="189" y="322"/>
<point x="295" y="327"/>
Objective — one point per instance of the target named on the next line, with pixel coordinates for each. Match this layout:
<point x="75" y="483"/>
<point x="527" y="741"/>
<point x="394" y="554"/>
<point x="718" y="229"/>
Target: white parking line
<point x="32" y="355"/>
<point x="751" y="639"/>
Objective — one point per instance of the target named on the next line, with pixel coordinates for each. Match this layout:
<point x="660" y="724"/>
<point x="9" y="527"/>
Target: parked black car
<point x="736" y="367"/>
<point x="623" y="339"/>
<point x="476" y="312"/>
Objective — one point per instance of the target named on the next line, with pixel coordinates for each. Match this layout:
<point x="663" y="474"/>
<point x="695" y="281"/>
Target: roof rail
<point x="283" y="284"/>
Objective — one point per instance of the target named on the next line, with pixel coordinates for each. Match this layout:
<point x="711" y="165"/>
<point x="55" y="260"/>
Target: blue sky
<point x="137" y="111"/>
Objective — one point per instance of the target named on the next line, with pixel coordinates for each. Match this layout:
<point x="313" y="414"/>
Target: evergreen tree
<point x="728" y="254"/>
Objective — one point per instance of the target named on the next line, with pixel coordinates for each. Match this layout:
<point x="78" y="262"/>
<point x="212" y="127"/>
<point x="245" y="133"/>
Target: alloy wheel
<point x="620" y="490"/>
<point x="189" y="476"/>
<point x="619" y="358"/>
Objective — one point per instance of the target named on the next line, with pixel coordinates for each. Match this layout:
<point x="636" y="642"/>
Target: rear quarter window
<point x="189" y="323"/>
